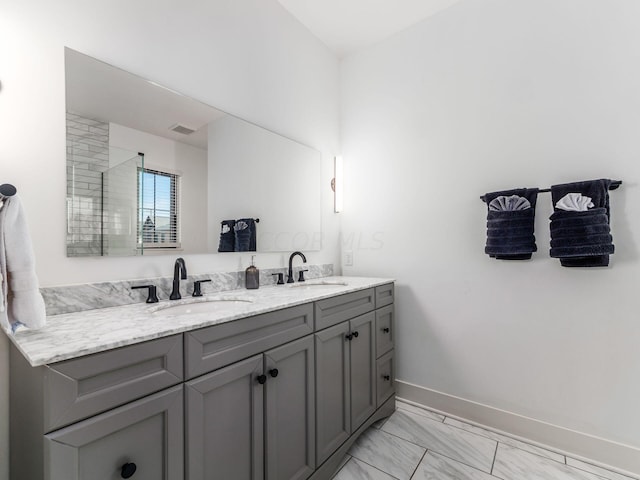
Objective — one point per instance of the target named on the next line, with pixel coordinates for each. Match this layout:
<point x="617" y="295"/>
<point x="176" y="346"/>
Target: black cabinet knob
<point x="128" y="469"/>
<point x="386" y="377"/>
<point x="262" y="379"/>
<point x="355" y="334"/>
<point x="385" y="330"/>
<point x="274" y="372"/>
<point x="349" y="337"/>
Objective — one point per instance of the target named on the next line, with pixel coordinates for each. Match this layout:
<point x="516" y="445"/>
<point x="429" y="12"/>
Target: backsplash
<point x="89" y="296"/>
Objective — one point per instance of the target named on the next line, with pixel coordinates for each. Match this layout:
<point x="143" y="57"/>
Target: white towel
<point x="574" y="202"/>
<point x="21" y="299"/>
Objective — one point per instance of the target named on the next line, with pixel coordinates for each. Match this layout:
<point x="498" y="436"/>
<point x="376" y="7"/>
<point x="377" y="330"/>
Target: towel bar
<point x="614" y="185"/>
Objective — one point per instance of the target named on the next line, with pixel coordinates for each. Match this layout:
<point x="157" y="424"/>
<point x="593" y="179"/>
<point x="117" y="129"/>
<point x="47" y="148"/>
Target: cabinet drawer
<point x="384" y="295"/>
<point x="214" y="347"/>
<point x="334" y="310"/>
<point x="147" y="433"/>
<point x="385" y="377"/>
<point x="82" y="387"/>
<point x="384" y="330"/>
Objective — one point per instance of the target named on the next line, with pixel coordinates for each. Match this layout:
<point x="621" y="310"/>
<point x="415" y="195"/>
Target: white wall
<point x="247" y="57"/>
<point x="491" y="95"/>
<point x="254" y="167"/>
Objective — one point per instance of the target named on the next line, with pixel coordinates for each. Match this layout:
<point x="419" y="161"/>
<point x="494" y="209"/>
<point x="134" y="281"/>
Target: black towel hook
<point x="7" y="190"/>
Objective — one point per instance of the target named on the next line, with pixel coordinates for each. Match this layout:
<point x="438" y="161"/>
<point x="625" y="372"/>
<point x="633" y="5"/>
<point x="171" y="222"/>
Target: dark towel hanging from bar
<point x="579" y="239"/>
<point x="510" y="223"/>
<point x="580" y="232"/>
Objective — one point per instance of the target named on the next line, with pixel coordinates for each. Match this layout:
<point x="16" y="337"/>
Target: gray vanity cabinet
<point x="144" y="436"/>
<point x="345" y="380"/>
<point x="224" y="423"/>
<point x="333" y="389"/>
<point x="363" y="370"/>
<point x="384" y="329"/>
<point x="213" y="347"/>
<point x="280" y="395"/>
<point x="228" y="409"/>
<point x="290" y="411"/>
<point x="81" y="390"/>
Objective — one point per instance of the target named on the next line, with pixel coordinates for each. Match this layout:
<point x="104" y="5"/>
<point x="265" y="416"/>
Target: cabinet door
<point x="384" y="330"/>
<point x="363" y="369"/>
<point x="290" y="411"/>
<point x="333" y="391"/>
<point x="385" y="377"/>
<point x="224" y="420"/>
<point x="147" y="433"/>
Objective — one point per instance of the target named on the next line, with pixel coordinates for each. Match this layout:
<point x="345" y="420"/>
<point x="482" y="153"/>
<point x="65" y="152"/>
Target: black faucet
<point x="290" y="274"/>
<point x="179" y="272"/>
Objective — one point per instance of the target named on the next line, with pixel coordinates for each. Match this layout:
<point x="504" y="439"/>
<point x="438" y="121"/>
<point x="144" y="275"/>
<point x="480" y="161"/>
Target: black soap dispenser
<point x="252" y="276"/>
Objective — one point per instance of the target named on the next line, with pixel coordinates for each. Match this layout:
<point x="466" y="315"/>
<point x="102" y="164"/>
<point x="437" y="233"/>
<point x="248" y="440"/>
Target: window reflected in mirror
<point x="199" y="166"/>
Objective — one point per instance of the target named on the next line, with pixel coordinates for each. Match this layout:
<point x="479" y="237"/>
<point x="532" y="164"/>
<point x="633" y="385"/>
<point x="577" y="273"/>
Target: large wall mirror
<point x="151" y="171"/>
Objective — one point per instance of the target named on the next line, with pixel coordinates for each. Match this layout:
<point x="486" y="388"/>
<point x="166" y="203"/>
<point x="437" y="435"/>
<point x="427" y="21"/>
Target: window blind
<point x="158" y="209"/>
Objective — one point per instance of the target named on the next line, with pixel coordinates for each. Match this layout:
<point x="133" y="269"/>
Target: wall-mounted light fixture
<point x="336" y="184"/>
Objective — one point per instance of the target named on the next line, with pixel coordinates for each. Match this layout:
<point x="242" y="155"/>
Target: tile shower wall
<point x="87" y="158"/>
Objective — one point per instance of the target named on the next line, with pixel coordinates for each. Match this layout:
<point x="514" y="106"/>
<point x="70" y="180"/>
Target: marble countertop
<point x="72" y="335"/>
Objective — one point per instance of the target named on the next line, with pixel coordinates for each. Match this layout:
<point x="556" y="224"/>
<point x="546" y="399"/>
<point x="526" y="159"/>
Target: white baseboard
<point x="619" y="457"/>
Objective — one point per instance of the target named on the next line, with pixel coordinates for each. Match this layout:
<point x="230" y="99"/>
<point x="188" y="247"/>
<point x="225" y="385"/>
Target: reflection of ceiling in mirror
<point x="103" y="92"/>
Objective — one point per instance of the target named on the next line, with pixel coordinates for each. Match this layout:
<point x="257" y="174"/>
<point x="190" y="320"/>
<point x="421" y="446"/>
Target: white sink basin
<point x="208" y="305"/>
<point x="319" y="283"/>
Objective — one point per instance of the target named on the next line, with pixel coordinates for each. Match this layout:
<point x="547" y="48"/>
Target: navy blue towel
<point x="582" y="238"/>
<point x="510" y="232"/>
<point x="227" y="236"/>
<point x="245" y="230"/>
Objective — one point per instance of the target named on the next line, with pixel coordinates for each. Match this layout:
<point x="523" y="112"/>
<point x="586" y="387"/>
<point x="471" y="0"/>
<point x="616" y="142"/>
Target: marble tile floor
<point x="416" y="444"/>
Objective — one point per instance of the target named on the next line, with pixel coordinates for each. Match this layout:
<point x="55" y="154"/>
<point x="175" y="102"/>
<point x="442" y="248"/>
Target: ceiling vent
<point x="182" y="129"/>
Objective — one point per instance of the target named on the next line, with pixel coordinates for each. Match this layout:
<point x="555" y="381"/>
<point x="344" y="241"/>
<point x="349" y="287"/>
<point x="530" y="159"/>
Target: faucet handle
<point x="197" y="292"/>
<point x="301" y="275"/>
<point x="280" y="278"/>
<point x="153" y="292"/>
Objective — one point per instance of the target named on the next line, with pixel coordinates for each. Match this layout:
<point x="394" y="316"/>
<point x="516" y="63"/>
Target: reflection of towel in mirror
<point x="245" y="230"/>
<point x="22" y="302"/>
<point x="227" y="236"/>
<point x="581" y="238"/>
<point x="510" y="223"/>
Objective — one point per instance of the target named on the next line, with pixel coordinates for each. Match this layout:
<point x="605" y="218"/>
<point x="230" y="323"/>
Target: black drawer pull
<point x="274" y="372"/>
<point x="262" y="379"/>
<point x="386" y="330"/>
<point x="386" y="377"/>
<point x="349" y="337"/>
<point x="355" y="334"/>
<point x="128" y="469"/>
